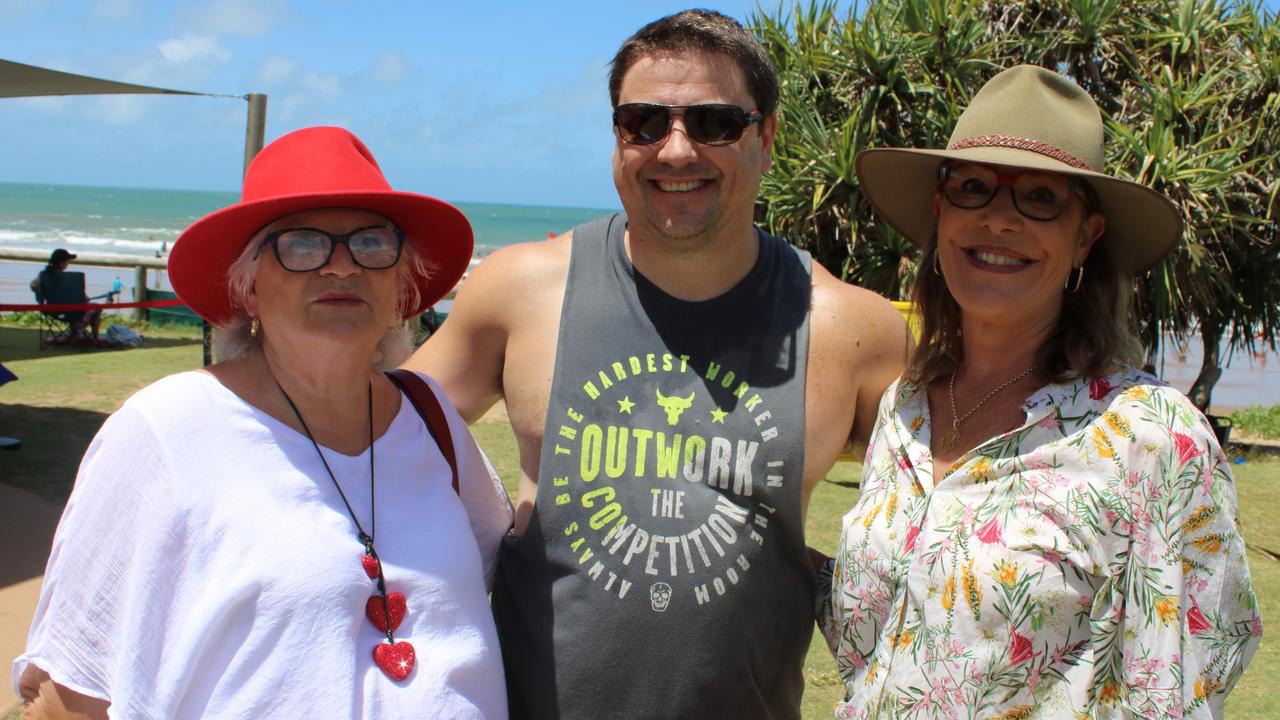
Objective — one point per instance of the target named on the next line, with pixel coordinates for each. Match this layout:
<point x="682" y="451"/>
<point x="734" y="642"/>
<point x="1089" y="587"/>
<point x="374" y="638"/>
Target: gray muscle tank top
<point x="664" y="574"/>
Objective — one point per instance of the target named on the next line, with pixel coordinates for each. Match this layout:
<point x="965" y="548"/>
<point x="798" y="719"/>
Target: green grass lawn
<point x="62" y="397"/>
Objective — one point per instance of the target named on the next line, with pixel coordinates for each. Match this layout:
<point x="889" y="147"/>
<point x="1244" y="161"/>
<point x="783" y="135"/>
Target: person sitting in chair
<point x="79" y="319"/>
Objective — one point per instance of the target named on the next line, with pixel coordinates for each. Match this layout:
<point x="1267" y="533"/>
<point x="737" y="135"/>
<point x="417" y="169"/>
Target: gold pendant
<point x="949" y="442"/>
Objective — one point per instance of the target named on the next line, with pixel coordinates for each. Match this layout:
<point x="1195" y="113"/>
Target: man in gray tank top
<point x="678" y="381"/>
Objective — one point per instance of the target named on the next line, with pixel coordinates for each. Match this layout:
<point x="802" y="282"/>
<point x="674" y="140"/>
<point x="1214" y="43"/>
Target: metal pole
<point x="255" y="131"/>
<point x="256" y="127"/>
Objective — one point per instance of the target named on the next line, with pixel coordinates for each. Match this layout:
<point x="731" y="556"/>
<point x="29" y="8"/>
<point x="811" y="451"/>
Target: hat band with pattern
<point x="1017" y="143"/>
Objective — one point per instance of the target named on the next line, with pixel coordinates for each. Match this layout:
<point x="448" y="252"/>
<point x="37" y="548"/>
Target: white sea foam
<point x="126" y="245"/>
<point x="162" y="233"/>
<point x="76" y="239"/>
<point x="20" y="237"/>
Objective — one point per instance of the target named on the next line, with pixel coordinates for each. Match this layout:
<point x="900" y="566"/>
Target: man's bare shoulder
<point x="508" y="278"/>
<point x="855" y="321"/>
<point x="530" y="262"/>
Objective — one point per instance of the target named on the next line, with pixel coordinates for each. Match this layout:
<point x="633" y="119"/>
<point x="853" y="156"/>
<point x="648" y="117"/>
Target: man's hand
<point x="46" y="700"/>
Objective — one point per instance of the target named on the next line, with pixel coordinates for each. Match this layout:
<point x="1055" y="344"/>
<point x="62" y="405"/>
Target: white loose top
<point x="205" y="566"/>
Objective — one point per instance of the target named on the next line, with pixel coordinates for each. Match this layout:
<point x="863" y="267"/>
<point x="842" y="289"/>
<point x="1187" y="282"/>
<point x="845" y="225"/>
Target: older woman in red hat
<point x="290" y="531"/>
<point x="1043" y="530"/>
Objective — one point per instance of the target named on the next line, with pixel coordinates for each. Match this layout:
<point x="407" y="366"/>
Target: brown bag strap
<point x="428" y="406"/>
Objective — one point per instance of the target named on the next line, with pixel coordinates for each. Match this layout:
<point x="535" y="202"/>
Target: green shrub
<point x="1258" y="421"/>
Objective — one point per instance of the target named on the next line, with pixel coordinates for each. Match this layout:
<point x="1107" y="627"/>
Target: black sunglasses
<point x="304" y="249"/>
<point x="711" y="124"/>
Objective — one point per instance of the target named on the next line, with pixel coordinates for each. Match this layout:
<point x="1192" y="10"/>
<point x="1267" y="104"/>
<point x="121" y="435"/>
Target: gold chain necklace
<point x="953" y="437"/>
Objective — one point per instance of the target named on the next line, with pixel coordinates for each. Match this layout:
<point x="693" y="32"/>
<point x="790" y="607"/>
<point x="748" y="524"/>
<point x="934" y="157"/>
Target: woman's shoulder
<point x="1130" y="388"/>
<point x="174" y="400"/>
<point x="1155" y="411"/>
<point x="173" y="391"/>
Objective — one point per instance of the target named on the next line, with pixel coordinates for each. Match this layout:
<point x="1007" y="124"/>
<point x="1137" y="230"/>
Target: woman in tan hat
<point x="1043" y="530"/>
<point x="289" y="532"/>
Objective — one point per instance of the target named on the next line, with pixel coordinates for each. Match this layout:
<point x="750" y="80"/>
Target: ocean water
<point x="143" y="222"/>
<point x="134" y="221"/>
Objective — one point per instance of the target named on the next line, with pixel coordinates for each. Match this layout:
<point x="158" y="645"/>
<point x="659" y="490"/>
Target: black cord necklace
<point x="384" y="610"/>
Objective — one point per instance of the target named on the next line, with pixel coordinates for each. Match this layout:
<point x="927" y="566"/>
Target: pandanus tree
<point x="1188" y="88"/>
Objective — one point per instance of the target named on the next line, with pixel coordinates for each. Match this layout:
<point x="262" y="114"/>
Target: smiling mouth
<point x="680" y="187"/>
<point x="993" y="259"/>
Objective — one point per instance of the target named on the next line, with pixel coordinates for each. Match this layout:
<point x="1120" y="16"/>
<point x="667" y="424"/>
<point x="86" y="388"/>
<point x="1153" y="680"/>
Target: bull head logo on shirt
<point x="673" y="405"/>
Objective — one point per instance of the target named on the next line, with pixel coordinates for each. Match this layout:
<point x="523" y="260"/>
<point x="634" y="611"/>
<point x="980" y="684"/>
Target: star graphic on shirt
<point x="717" y="416"/>
<point x="625" y="405"/>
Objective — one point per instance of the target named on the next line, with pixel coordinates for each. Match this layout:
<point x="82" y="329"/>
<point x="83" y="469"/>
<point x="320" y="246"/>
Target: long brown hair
<point x="1094" y="334"/>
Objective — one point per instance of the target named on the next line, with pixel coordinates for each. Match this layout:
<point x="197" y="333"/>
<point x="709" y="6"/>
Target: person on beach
<point x="289" y="532"/>
<point x="677" y="381"/>
<point x="1043" y="530"/>
<point x="80" y="320"/>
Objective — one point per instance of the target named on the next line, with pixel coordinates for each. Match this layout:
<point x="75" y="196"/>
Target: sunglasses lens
<point x="641" y="124"/>
<point x="302" y="250"/>
<point x="715" y="124"/>
<point x="644" y="124"/>
<point x="375" y="248"/>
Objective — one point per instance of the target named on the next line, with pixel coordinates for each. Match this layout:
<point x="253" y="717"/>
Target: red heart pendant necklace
<point x="384" y="610"/>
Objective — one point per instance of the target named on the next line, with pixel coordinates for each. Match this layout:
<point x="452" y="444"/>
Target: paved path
<point x="26" y="532"/>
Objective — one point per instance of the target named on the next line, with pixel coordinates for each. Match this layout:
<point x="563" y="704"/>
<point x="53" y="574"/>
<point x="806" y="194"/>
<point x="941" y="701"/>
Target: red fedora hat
<point x="310" y="168"/>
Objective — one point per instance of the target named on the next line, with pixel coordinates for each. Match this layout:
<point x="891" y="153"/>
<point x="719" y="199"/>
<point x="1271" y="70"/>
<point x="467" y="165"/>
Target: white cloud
<point x="310" y="103"/>
<point x="389" y="69"/>
<point x="120" y="109"/>
<point x="277" y="69"/>
<point x="193" y="47"/>
<point x="250" y="18"/>
<point x="326" y="85"/>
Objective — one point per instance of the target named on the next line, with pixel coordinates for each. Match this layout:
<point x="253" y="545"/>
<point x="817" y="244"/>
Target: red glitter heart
<point x="395" y="608"/>
<point x="370" y="564"/>
<point x="395" y="660"/>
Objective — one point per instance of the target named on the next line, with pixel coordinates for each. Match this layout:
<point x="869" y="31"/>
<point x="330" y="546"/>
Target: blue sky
<point x="470" y="101"/>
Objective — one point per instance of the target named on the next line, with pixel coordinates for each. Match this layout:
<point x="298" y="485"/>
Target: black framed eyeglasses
<point x="1038" y="195"/>
<point x="303" y="249"/>
<point x="710" y="124"/>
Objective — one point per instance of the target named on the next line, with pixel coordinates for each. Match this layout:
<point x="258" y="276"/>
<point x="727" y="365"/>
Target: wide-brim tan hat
<point x="1034" y="118"/>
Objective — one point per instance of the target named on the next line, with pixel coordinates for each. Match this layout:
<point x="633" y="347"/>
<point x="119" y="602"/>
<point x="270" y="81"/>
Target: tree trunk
<point x="1210" y="369"/>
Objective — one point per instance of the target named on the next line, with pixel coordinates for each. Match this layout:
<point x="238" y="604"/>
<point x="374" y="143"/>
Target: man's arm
<point x="884" y="360"/>
<point x="858" y="345"/>
<point x="466" y="354"/>
<point x="46" y="700"/>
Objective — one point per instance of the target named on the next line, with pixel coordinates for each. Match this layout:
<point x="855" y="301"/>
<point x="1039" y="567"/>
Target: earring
<point x="254" y="328"/>
<point x="937" y="269"/>
<point x="1068" y="286"/>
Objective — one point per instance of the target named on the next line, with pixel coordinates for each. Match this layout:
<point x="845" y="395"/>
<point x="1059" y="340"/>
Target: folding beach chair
<point x="60" y="288"/>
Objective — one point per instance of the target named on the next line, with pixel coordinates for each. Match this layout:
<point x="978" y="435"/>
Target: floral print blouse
<point x="1086" y="564"/>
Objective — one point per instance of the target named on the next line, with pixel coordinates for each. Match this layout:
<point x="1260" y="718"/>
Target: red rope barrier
<point x="89" y="306"/>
